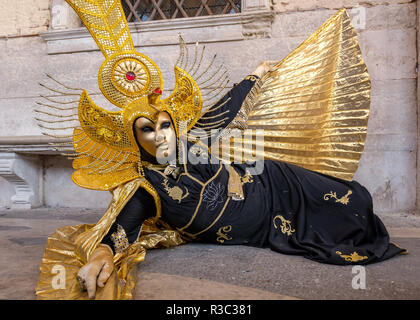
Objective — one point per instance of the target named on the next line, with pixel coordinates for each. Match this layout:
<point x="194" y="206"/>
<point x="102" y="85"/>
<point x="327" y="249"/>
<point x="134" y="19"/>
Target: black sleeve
<point x="140" y="207"/>
<point x="227" y="107"/>
<point x="237" y="96"/>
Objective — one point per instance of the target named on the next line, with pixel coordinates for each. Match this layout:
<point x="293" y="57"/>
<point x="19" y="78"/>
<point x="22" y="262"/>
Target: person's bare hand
<point x="97" y="270"/>
<point x="264" y="67"/>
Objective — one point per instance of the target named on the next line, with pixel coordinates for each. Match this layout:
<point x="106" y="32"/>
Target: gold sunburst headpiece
<point x="106" y="152"/>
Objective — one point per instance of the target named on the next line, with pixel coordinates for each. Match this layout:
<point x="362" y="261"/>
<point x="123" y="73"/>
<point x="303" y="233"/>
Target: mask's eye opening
<point x="146" y="129"/>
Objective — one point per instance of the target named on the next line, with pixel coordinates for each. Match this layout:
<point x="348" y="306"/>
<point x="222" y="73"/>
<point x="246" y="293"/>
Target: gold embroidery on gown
<point x="285" y="227"/>
<point x="120" y="240"/>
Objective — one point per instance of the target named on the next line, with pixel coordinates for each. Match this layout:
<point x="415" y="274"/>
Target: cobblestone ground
<point x="203" y="271"/>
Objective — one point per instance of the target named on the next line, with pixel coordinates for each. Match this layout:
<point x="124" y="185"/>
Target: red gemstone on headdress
<point x="130" y="76"/>
<point x="158" y="91"/>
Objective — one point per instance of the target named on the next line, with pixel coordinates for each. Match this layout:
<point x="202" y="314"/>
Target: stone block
<point x="18" y="117"/>
<point x="24" y="17"/>
<point x="390" y="53"/>
<point x="26" y="63"/>
<point x="296" y="24"/>
<point x="393" y="107"/>
<point x="23" y="173"/>
<point x="388" y="175"/>
<point x="397" y="16"/>
<point x="418" y="104"/>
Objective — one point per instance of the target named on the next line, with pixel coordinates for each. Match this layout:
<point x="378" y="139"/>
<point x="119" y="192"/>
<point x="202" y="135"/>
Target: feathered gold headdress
<point x="105" y="147"/>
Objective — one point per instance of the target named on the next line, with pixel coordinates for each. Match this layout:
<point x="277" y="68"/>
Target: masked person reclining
<point x="307" y="205"/>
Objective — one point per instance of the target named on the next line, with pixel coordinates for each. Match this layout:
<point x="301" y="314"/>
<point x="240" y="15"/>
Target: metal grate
<point x="148" y="10"/>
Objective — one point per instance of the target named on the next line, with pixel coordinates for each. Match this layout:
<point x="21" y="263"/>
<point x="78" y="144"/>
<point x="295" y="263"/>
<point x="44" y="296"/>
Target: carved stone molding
<point x="255" y="20"/>
<point x="258" y="25"/>
<point x="63" y="16"/>
<point x="255" y="5"/>
<point x="25" y="174"/>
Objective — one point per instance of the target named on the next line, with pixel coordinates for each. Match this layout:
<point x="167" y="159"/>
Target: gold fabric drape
<point x="69" y="248"/>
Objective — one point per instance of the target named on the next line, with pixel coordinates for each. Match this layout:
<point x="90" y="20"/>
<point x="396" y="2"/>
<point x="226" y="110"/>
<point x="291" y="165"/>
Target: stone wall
<point x="24" y="17"/>
<point x="388" y="39"/>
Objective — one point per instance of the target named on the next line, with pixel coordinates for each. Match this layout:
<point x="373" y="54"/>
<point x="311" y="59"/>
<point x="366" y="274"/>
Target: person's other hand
<point x="97" y="270"/>
<point x="264" y="67"/>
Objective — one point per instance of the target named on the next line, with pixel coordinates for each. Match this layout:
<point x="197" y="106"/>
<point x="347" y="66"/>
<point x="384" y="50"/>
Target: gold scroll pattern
<point x="344" y="199"/>
<point x="285" y="227"/>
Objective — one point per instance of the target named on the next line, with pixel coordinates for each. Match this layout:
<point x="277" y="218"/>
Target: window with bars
<point x="148" y="10"/>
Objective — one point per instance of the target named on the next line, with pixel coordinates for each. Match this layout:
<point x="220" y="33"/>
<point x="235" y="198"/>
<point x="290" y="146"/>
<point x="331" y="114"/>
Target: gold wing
<point x="185" y="100"/>
<point x="103" y="156"/>
<point x="106" y="156"/>
<point x="314" y="107"/>
<point x="198" y="85"/>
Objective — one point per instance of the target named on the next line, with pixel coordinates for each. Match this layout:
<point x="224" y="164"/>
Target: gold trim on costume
<point x="120" y="240"/>
<point x="234" y="184"/>
<point x="285" y="227"/>
<point x="405" y="250"/>
<point x="201" y="196"/>
<point x="344" y="199"/>
<point x="354" y="257"/>
<point x="251" y="77"/>
<point x="217" y="219"/>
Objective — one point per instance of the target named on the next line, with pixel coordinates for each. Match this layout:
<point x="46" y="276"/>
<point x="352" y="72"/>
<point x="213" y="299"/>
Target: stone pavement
<point x="204" y="271"/>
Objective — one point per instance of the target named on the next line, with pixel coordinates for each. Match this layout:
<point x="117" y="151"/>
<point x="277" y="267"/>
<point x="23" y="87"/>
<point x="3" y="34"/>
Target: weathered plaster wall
<point x="24" y="17"/>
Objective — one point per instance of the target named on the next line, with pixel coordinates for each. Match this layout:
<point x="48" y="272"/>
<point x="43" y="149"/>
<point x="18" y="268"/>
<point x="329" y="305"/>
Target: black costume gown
<point x="290" y="209"/>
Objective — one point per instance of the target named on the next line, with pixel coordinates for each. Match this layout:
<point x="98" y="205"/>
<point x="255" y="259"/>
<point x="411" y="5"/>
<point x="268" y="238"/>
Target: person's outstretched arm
<point x="122" y="233"/>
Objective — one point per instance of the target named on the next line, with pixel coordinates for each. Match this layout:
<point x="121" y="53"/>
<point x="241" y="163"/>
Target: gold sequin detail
<point x="119" y="238"/>
<point x="285" y="227"/>
<point x="344" y="199"/>
<point x="138" y="71"/>
<point x="251" y="77"/>
<point x="405" y="250"/>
